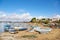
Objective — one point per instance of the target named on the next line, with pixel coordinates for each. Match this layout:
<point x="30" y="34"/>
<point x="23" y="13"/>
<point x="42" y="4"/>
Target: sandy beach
<point x="53" y="35"/>
<point x="25" y="35"/>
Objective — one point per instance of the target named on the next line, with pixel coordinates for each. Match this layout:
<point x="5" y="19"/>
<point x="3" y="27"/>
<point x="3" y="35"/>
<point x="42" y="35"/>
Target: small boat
<point x="41" y="30"/>
<point x="20" y="28"/>
<point x="12" y="31"/>
<point x="6" y="27"/>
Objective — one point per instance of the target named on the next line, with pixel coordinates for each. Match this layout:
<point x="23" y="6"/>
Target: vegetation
<point x="46" y="21"/>
<point x="57" y="21"/>
<point x="29" y="36"/>
<point x="33" y="20"/>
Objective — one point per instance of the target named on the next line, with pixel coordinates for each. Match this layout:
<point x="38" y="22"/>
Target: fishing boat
<point x="12" y="31"/>
<point x="20" y="28"/>
<point x="41" y="30"/>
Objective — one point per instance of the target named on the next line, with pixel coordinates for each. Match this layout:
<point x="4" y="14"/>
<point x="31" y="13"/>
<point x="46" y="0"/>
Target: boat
<point x="41" y="30"/>
<point x="44" y="30"/>
<point x="7" y="27"/>
<point x="20" y="28"/>
<point x="12" y="31"/>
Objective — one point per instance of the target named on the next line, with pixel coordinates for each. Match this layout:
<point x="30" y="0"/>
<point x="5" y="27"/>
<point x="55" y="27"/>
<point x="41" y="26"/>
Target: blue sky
<point x="34" y="7"/>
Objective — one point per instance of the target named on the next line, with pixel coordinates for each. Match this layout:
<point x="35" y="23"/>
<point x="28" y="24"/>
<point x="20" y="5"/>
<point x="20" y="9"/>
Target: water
<point x="2" y="27"/>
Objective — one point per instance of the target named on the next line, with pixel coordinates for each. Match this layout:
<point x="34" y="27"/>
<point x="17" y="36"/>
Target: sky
<point x="36" y="8"/>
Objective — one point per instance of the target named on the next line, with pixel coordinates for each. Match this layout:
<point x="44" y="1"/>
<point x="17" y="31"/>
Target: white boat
<point x="12" y="31"/>
<point x="41" y="30"/>
<point x="20" y="28"/>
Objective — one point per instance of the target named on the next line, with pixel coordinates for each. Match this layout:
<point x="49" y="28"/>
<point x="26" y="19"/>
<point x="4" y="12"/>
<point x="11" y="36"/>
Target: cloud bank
<point x="56" y="16"/>
<point x="15" y="17"/>
<point x="24" y="17"/>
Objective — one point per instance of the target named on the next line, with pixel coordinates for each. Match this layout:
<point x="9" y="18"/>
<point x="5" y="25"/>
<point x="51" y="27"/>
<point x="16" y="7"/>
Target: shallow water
<point x="1" y="27"/>
<point x="13" y="25"/>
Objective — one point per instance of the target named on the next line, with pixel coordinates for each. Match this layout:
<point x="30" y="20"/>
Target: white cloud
<point x="40" y="17"/>
<point x="16" y="17"/>
<point x="56" y="16"/>
<point x="2" y="14"/>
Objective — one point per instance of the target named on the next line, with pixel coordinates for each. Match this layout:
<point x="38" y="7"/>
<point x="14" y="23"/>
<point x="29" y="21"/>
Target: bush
<point x="29" y="36"/>
<point x="33" y="20"/>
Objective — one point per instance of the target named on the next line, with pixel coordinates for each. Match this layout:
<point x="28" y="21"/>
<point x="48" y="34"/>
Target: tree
<point x="33" y="20"/>
<point x="46" y="21"/>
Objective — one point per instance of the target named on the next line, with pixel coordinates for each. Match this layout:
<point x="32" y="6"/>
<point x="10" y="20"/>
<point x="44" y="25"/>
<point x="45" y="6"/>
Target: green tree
<point x="46" y="21"/>
<point x="33" y="20"/>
